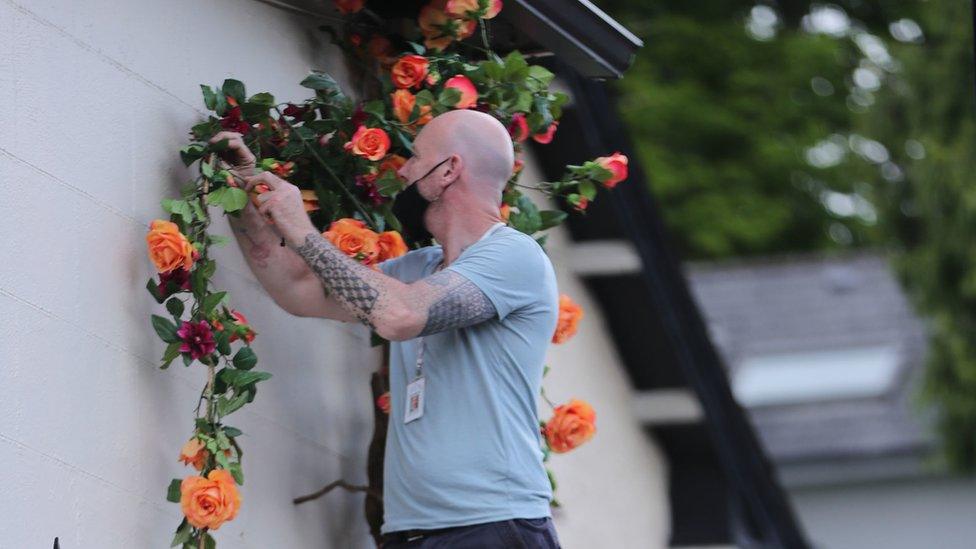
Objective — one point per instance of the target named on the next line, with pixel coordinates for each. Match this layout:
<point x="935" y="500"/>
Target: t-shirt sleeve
<point x="508" y="270"/>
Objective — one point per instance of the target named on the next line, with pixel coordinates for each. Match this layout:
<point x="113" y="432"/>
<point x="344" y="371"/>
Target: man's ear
<point x="454" y="167"/>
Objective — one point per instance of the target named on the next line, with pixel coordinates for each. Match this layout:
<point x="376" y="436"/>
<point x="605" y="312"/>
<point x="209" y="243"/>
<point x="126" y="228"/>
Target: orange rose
<point x="194" y="453"/>
<point x="209" y="502"/>
<point x="403" y="103"/>
<point x="409" y="71"/>
<point x="349" y="6"/>
<point x="505" y="210"/>
<point x="518" y="128"/>
<point x="380" y="48"/>
<point x="352" y="238"/>
<point x="391" y="245"/>
<point x="617" y="164"/>
<point x="392" y="163"/>
<point x="369" y="142"/>
<point x="546" y="136"/>
<point x="241" y="320"/>
<point x="569" y="316"/>
<point x="469" y="94"/>
<point x="572" y="424"/>
<point x="310" y="200"/>
<point x="168" y="248"/>
<point x="471" y="9"/>
<point x="438" y="28"/>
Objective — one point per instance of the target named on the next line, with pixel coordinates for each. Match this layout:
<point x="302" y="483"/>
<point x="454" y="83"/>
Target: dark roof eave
<point x="577" y="32"/>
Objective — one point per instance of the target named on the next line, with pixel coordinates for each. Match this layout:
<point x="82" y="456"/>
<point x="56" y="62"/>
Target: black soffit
<point x="663" y="341"/>
<point x="575" y="31"/>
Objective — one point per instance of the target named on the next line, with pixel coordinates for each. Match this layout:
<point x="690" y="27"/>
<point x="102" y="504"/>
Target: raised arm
<point x="396" y="311"/>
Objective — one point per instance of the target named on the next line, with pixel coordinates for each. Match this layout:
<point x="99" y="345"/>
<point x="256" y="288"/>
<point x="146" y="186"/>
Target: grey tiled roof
<point x="805" y="303"/>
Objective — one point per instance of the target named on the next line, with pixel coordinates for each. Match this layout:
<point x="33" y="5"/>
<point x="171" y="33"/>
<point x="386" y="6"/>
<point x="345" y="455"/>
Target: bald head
<point x="478" y="138"/>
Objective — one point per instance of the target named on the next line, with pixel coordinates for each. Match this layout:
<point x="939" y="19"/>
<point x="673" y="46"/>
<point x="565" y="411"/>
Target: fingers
<point x="271" y="180"/>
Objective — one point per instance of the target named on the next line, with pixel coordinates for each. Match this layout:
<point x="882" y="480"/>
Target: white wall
<point x="613" y="489"/>
<point x="95" y="100"/>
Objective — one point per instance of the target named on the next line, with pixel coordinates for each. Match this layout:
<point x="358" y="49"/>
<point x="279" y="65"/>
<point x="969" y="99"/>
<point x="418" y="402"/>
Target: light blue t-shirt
<point x="475" y="455"/>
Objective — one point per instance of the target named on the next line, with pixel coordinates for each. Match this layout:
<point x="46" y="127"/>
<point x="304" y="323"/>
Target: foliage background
<point x="801" y="126"/>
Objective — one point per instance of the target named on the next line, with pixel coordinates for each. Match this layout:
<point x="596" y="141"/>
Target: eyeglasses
<point x="430" y="171"/>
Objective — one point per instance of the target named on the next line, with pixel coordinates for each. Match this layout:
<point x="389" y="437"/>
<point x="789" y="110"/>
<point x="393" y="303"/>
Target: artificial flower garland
<point x="344" y="156"/>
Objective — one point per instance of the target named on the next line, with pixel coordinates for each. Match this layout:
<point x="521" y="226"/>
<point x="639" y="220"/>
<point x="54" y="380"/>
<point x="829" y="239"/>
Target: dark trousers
<point x="538" y="533"/>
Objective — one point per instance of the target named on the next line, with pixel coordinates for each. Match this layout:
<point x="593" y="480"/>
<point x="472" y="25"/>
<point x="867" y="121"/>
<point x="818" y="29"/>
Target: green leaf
<point x="227" y="406"/>
<point x="449" y="97"/>
<point x="173" y="492"/>
<point x="204" y="130"/>
<point x="197" y="209"/>
<point x="541" y="75"/>
<point x="242" y="378"/>
<point x="551" y="218"/>
<point x="232" y="432"/>
<point x="494" y="69"/>
<point x="245" y="359"/>
<point x="209" y="97"/>
<point x="389" y="184"/>
<point x="207" y="170"/>
<point x="223" y="342"/>
<point x="183" y="533"/>
<point x="587" y="189"/>
<point x="165" y="329"/>
<point x="376" y="108"/>
<point x="545" y="370"/>
<point x="187" y="359"/>
<point x="540" y="106"/>
<point x="175" y="307"/>
<point x="202" y="424"/>
<point x="211" y="301"/>
<point x="153" y="289"/>
<point x="419" y="49"/>
<point x="523" y="102"/>
<point x="191" y="153"/>
<point x="222" y="460"/>
<point x="237" y="473"/>
<point x="235" y="89"/>
<point x="321" y="81"/>
<point x="527" y="219"/>
<point x="234" y="199"/>
<point x="179" y="207"/>
<point x="263" y="98"/>
<point x="516" y="68"/>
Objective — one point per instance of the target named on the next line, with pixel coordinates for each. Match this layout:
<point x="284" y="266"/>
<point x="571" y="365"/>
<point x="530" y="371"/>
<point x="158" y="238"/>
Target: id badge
<point x="415" y="400"/>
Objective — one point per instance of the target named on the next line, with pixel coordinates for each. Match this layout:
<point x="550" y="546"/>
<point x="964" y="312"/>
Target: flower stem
<point x="542" y="391"/>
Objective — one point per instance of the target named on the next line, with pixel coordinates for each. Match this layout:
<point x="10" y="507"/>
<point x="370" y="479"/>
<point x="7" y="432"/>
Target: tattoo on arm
<point x="342" y="276"/>
<point x="459" y="303"/>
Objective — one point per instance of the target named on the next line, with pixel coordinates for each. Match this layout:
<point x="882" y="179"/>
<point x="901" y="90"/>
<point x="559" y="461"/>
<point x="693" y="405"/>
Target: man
<point x="469" y="320"/>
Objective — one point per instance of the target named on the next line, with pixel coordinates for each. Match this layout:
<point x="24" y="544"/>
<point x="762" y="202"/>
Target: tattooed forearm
<point x="345" y="279"/>
<point x="460" y="303"/>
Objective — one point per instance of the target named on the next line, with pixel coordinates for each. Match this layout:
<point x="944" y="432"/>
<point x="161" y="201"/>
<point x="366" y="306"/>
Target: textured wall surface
<point x="613" y="489"/>
<point x="95" y="100"/>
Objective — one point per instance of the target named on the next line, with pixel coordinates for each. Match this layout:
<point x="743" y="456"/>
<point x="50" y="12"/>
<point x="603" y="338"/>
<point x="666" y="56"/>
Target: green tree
<point x="926" y="114"/>
<point x="723" y="118"/>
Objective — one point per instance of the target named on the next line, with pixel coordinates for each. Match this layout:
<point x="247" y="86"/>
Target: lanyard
<point x="420" y="341"/>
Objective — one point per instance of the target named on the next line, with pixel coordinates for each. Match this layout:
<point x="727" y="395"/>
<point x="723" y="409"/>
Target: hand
<point x="282" y="205"/>
<point x="240" y="158"/>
